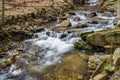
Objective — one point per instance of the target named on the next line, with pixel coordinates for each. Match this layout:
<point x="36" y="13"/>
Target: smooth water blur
<point x="93" y="2"/>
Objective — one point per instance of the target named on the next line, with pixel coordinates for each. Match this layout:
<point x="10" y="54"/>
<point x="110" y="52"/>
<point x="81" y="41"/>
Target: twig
<point x="95" y="72"/>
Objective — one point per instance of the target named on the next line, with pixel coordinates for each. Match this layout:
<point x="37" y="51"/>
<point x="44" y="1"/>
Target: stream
<point x="47" y="47"/>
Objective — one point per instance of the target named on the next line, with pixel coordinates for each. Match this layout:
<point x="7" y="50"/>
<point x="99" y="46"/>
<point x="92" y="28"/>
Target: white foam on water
<point x="73" y="23"/>
<point x="12" y="71"/>
<point x="74" y="39"/>
<point x="93" y="2"/>
<point x="17" y="72"/>
<point x="81" y="16"/>
<point x="53" y="48"/>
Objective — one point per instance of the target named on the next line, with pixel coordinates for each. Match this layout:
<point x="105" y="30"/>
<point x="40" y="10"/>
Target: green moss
<point x="81" y="45"/>
<point x="104" y="37"/>
<point x="109" y="67"/>
<point x="85" y="33"/>
<point x="66" y="23"/>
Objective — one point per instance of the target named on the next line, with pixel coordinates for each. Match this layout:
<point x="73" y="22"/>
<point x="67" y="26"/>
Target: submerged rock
<point x="73" y="67"/>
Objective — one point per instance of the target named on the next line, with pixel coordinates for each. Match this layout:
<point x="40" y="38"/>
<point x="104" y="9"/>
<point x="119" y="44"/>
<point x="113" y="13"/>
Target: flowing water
<point x="93" y="2"/>
<point x="47" y="47"/>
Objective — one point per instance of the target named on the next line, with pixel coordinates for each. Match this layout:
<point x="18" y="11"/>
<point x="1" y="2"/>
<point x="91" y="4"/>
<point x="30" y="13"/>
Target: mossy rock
<point x="105" y="37"/>
<point x="66" y="23"/>
<point x="84" y="34"/>
<point x="81" y="45"/>
<point x="107" y="66"/>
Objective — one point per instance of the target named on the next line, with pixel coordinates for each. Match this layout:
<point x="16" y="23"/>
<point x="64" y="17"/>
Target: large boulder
<point x="109" y="38"/>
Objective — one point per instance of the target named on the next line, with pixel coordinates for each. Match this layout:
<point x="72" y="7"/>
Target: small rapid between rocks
<point x="47" y="47"/>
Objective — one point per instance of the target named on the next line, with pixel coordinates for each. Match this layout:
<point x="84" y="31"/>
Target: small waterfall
<point x="52" y="46"/>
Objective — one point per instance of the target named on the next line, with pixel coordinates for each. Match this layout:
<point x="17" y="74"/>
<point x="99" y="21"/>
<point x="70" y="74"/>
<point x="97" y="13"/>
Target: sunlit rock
<point x="116" y="57"/>
<point x="104" y="38"/>
<point x="100" y="76"/>
<point x="66" y="23"/>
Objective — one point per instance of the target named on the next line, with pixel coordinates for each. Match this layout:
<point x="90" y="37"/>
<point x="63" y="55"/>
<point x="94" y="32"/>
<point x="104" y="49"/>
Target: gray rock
<point x="80" y="25"/>
<point x="94" y="60"/>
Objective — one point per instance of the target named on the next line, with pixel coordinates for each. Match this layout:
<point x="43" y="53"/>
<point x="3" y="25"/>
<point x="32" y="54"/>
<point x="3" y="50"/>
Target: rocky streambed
<point x="61" y="51"/>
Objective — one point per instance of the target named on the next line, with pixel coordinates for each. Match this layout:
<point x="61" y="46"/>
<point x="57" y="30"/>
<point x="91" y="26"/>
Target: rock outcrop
<point x="110" y="39"/>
